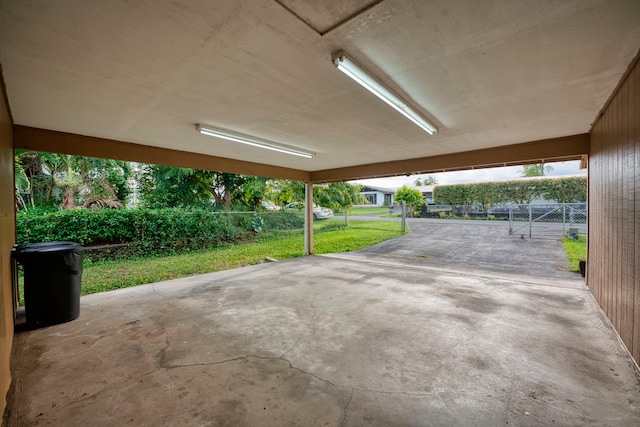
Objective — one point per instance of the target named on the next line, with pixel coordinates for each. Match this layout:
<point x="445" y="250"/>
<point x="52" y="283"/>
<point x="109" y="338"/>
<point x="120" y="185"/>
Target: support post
<point x="308" y="218"/>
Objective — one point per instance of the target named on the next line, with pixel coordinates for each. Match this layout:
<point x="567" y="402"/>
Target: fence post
<point x="404" y="216"/>
<point x="530" y="219"/>
<point x="564" y="217"/>
<point x="510" y="220"/>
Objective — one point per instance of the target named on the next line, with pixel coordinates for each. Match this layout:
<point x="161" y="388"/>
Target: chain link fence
<point x="548" y="220"/>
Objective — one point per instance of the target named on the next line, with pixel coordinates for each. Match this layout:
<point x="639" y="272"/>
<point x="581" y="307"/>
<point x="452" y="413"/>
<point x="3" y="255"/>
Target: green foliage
<point x="147" y="231"/>
<point x="576" y="250"/>
<point x="71" y="180"/>
<point x="252" y="191"/>
<point x="168" y="187"/>
<point x="283" y="220"/>
<point x="338" y="195"/>
<point x="283" y="191"/>
<point x="567" y="190"/>
<point x="412" y="197"/>
<point x="562" y="190"/>
<point x="369" y="210"/>
<point x="22" y="184"/>
<point x="459" y="194"/>
<point x="427" y="180"/>
<point x="257" y="223"/>
<point x="535" y="170"/>
<point x="330" y="237"/>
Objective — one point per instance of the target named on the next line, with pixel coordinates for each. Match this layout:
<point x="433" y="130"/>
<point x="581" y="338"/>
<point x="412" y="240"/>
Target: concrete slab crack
<point x="346" y="408"/>
<point x="302" y="371"/>
<point x="155" y="291"/>
<point x="311" y="320"/>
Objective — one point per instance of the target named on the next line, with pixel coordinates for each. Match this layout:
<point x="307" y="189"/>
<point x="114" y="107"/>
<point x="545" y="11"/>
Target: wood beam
<point x="35" y="139"/>
<point x="549" y="150"/>
<point x="557" y="149"/>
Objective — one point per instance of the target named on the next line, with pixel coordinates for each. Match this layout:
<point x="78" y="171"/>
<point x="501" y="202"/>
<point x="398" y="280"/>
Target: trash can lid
<point x="41" y="247"/>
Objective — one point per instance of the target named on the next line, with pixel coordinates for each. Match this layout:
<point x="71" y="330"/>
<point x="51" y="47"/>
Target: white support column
<point x="308" y="218"/>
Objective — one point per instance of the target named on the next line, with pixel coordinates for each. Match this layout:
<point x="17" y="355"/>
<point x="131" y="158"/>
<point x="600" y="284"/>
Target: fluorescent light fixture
<point x="352" y="70"/>
<point x="250" y="140"/>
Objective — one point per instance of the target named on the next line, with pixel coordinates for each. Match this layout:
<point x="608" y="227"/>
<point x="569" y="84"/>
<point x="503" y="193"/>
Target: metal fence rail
<point x="548" y="220"/>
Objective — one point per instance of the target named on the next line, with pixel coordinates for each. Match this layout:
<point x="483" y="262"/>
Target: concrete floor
<point x="341" y="340"/>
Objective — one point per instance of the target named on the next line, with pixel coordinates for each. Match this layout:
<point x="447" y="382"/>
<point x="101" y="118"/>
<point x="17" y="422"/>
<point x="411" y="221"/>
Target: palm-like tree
<point x="85" y="180"/>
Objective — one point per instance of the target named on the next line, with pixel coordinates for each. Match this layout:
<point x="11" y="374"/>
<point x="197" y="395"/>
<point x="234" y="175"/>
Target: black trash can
<point x="52" y="273"/>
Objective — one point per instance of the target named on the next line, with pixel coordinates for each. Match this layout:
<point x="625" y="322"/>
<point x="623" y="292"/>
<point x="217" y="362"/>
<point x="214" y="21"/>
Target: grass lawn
<point x="329" y="237"/>
<point x="367" y="211"/>
<point x="576" y="250"/>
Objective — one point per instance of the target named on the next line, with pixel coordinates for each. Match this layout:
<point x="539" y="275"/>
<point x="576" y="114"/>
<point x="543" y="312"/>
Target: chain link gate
<point x="548" y="220"/>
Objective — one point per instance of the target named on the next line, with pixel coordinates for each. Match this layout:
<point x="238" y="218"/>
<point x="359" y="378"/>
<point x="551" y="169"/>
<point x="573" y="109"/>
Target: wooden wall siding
<point x="614" y="211"/>
<point x="7" y="239"/>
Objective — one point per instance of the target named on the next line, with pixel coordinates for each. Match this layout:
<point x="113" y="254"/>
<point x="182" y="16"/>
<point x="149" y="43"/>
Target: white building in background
<point x="381" y="196"/>
<point x="378" y="196"/>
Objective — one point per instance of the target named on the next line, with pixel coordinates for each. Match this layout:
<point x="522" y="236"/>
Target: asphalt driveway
<point x="475" y="246"/>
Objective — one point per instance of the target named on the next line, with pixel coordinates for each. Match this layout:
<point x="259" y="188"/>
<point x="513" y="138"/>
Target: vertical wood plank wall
<point x="614" y="211"/>
<point x="7" y="239"/>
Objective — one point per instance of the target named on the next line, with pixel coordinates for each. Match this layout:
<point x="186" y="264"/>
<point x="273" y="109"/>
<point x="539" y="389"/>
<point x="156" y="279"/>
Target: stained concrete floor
<point x="330" y="341"/>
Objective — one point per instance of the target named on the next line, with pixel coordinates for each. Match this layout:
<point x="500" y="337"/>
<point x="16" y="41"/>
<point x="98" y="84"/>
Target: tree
<point x="338" y="195"/>
<point x="412" y="197"/>
<point x="166" y="186"/>
<point x="252" y="191"/>
<point x="22" y="183"/>
<point x="535" y="170"/>
<point x="427" y="180"/>
<point x="284" y="191"/>
<point x="83" y="181"/>
<point x="40" y="169"/>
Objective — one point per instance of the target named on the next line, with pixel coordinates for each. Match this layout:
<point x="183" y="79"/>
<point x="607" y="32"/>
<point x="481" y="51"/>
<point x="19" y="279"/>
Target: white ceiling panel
<point x="488" y="73"/>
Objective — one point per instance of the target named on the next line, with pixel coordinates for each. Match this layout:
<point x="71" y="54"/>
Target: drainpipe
<point x="308" y="218"/>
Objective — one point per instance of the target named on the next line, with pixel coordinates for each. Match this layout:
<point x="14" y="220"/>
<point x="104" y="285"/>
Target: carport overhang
<point x="506" y="83"/>
<point x="574" y="147"/>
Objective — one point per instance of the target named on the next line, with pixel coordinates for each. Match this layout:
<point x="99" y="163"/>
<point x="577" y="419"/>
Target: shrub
<point x="147" y="232"/>
<point x="283" y="220"/>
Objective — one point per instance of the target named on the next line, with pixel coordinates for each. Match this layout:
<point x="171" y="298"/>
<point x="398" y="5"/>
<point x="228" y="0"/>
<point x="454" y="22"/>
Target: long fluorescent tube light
<point x="352" y="70"/>
<point x="250" y="140"/>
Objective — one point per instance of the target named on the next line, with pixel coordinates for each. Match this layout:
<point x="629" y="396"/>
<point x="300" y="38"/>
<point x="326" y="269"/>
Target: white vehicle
<point x="270" y="206"/>
<point x="318" y="211"/>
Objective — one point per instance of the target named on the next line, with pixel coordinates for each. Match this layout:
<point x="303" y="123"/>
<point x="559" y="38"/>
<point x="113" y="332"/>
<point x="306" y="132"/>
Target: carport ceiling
<point x="488" y="73"/>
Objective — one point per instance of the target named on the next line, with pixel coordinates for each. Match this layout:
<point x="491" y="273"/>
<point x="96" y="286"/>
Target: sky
<point x="480" y="175"/>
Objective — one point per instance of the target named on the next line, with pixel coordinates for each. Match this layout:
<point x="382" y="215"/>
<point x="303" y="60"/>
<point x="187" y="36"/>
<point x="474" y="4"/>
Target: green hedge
<point x="561" y="190"/>
<point x="282" y="220"/>
<point x="148" y="231"/>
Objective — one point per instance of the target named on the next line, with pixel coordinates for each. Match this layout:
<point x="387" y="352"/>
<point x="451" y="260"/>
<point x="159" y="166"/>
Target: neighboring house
<point x="378" y="196"/>
<point x="427" y="192"/>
